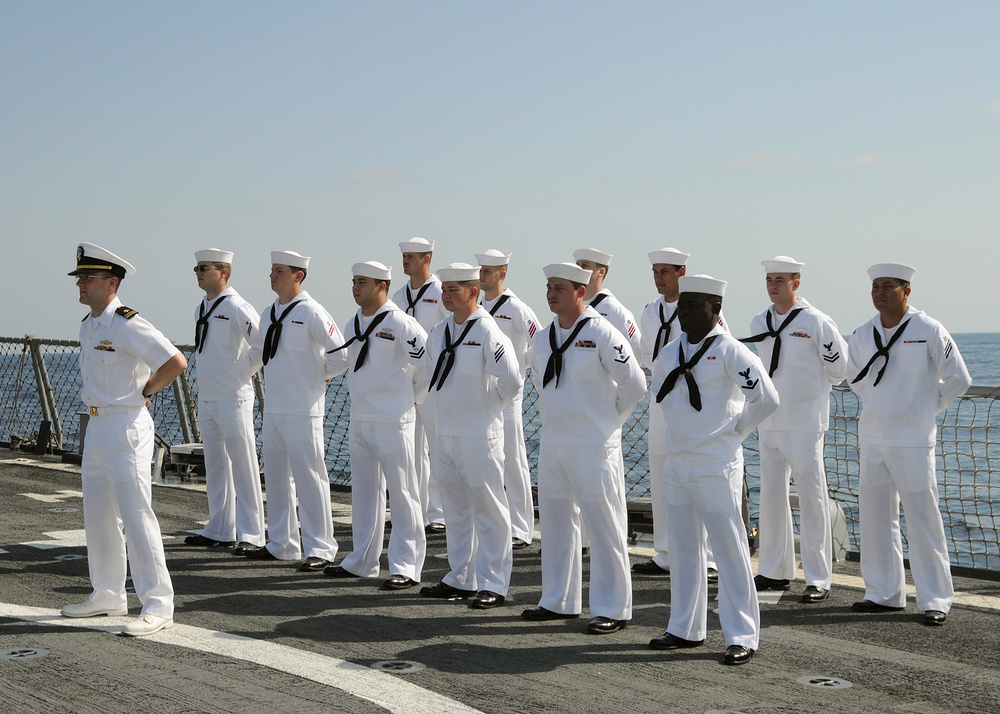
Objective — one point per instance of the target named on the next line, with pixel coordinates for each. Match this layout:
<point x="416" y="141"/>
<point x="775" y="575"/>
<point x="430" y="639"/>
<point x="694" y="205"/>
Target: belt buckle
<point x="93" y="411"/>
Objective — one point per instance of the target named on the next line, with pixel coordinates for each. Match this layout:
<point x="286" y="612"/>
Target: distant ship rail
<point x="40" y="382"/>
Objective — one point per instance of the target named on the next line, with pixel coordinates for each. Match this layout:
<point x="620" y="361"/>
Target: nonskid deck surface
<point x="261" y="636"/>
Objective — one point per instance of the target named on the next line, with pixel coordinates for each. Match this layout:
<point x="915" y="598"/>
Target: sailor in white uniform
<point x="518" y="322"/>
<point x="713" y="392"/>
<point x="224" y="338"/>
<point x="659" y="326"/>
<point x="386" y="346"/>
<point x="124" y="360"/>
<point x="299" y="352"/>
<point x="588" y="383"/>
<point x="602" y="300"/>
<point x="905" y="369"/>
<point x="475" y="376"/>
<point x="420" y="297"/>
<point x="805" y="356"/>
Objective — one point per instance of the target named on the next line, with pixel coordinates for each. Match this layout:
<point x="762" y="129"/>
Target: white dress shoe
<point x="88" y="608"/>
<point x="147" y="625"/>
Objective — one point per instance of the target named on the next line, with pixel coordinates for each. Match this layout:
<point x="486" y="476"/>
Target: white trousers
<point x="798" y="455"/>
<point x="294" y="466"/>
<point x="516" y="474"/>
<point x="424" y="445"/>
<point x="584" y="485"/>
<point x="470" y="473"/>
<point x="382" y="458"/>
<point x="232" y="474"/>
<point x="890" y="475"/>
<point x="117" y="495"/>
<point x="655" y="439"/>
<point x="708" y="496"/>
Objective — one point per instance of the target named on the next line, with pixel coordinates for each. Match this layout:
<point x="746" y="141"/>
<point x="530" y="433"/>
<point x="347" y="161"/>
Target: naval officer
<point x="518" y="322"/>
<point x="124" y="360"/>
<point x="905" y="369"/>
<point x="300" y="353"/>
<point x="224" y="338"/>
<point x="805" y="356"/>
<point x="713" y="392"/>
<point x="387" y="347"/>
<point x="588" y="383"/>
<point x="420" y="297"/>
<point x="475" y="376"/>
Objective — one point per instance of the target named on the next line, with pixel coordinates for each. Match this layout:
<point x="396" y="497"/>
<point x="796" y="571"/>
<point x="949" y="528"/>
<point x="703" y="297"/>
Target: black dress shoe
<point x="338" y="571"/>
<point x="650" y="567"/>
<point x="262" y="554"/>
<point x="666" y="641"/>
<point x="445" y="591"/>
<point x="814" y="593"/>
<point x="869" y="606"/>
<point x="434" y="528"/>
<point x="201" y="540"/>
<point x="486" y="600"/>
<point x="314" y="565"/>
<point x="244" y="548"/>
<point x="762" y="582"/>
<point x="397" y="582"/>
<point x="934" y="617"/>
<point x="713" y="575"/>
<point x="604" y="625"/>
<point x="737" y="654"/>
<point x="539" y="613"/>
<point x="518" y="544"/>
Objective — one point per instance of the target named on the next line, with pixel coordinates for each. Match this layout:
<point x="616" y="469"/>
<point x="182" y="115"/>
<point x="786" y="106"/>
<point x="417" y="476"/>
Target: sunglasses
<point x="203" y="268"/>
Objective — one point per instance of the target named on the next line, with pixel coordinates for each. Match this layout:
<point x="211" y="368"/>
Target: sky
<point x="842" y="134"/>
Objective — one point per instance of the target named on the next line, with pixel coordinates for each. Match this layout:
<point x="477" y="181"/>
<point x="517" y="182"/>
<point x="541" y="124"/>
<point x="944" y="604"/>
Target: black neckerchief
<point x="553" y="368"/>
<point x="694" y="396"/>
<point x="273" y="334"/>
<point x="776" y="334"/>
<point x="662" y="334"/>
<point x="201" y="324"/>
<point x="361" y="337"/>
<point x="446" y="360"/>
<point x="411" y="302"/>
<point x="500" y="301"/>
<point x="880" y="351"/>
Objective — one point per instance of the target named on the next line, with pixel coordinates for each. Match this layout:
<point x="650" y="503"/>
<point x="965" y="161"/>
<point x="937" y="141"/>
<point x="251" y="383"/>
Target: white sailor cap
<point x="214" y="255"/>
<point x="417" y="245"/>
<point x="593" y="255"/>
<point x="289" y="258"/>
<point x="372" y="269"/>
<point x="568" y="271"/>
<point x="90" y="257"/>
<point x="458" y="272"/>
<point x="669" y="256"/>
<point x="782" y="264"/>
<point x="702" y="284"/>
<point x="892" y="270"/>
<point x="493" y="257"/>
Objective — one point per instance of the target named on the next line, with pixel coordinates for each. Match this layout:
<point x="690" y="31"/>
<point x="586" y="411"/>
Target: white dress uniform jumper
<point x="386" y="350"/>
<point x="424" y="304"/>
<point x="475" y="376"/>
<point x="519" y="323"/>
<point x="298" y="352"/>
<point x="713" y="394"/>
<point x="226" y="360"/>
<point x="587" y="385"/>
<point x="805" y="356"/>
<point x="904" y="377"/>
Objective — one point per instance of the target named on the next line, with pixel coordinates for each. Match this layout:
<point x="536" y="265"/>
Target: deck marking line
<point x="385" y="690"/>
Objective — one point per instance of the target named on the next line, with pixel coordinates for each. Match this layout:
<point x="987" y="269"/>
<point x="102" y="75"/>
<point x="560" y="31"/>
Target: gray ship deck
<point x="259" y="636"/>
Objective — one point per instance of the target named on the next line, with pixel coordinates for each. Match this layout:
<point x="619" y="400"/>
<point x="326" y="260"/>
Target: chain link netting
<point x="40" y="380"/>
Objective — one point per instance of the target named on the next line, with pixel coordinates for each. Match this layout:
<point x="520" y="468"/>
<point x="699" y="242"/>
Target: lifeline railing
<point x="40" y="382"/>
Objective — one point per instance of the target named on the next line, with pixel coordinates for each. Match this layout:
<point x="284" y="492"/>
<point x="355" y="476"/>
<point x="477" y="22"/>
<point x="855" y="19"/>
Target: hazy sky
<point x="842" y="134"/>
